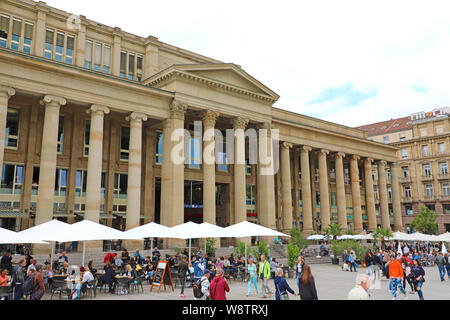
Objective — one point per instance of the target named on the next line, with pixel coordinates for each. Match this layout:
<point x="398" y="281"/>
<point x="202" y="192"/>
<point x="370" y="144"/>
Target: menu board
<point x="162" y="276"/>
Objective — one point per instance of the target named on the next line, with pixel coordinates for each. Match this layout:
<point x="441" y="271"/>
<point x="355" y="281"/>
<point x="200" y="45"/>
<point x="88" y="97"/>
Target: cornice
<point x="178" y="75"/>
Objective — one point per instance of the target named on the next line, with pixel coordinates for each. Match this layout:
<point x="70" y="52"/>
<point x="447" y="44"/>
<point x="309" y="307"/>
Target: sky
<point x="349" y="62"/>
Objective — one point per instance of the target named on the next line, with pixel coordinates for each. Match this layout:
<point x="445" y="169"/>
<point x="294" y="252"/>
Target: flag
<point x="399" y="251"/>
<point x="444" y="250"/>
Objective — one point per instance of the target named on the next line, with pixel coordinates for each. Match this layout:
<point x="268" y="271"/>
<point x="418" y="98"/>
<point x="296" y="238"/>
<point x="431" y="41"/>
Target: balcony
<point x="429" y="198"/>
<point x="405" y="179"/>
<point x="443" y="176"/>
<point x="407" y="199"/>
<point x="427" y="177"/>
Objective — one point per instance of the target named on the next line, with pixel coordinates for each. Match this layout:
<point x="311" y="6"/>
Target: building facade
<point x="423" y="161"/>
<point x="89" y="113"/>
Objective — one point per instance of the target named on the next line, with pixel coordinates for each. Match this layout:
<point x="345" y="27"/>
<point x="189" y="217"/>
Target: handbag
<point x="284" y="295"/>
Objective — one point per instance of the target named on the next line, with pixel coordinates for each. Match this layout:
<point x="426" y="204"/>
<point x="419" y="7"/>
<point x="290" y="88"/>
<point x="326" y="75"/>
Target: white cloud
<point x="301" y="48"/>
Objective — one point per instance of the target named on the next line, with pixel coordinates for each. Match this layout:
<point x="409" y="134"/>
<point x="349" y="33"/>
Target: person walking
<point x="264" y="275"/>
<point x="368" y="259"/>
<point x="39" y="286"/>
<point x="199" y="267"/>
<point x="447" y="265"/>
<point x="345" y="261"/>
<point x="418" y="275"/>
<point x="406" y="266"/>
<point x="183" y="269"/>
<point x="376" y="266"/>
<point x="299" y="270"/>
<point x="396" y="277"/>
<point x="307" y="285"/>
<point x="6" y="261"/>
<point x="440" y="262"/>
<point x="18" y="279"/>
<point x="219" y="287"/>
<point x="360" y="291"/>
<point x="281" y="286"/>
<point x="351" y="259"/>
<point x="253" y="277"/>
<point x="204" y="286"/>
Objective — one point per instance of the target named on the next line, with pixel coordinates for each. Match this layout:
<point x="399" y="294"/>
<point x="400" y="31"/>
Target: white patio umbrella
<point x="364" y="237"/>
<point x="208" y="230"/>
<point x="185" y="231"/>
<point x="345" y="237"/>
<point x="316" y="237"/>
<point x="401" y="236"/>
<point x="150" y="230"/>
<point x="399" y="250"/>
<point x="87" y="230"/>
<point x="53" y="230"/>
<point x="12" y="237"/>
<point x="444" y="237"/>
<point x="247" y="229"/>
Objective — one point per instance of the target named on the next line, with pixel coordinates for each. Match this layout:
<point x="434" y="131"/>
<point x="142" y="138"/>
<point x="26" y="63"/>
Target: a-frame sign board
<point x="162" y="276"/>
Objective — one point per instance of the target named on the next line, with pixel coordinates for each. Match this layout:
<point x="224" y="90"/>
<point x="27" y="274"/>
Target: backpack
<point x="28" y="285"/>
<point x="197" y="288"/>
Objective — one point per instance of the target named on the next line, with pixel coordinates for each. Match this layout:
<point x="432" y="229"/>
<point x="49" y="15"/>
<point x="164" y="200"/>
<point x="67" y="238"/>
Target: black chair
<point x="6" y="292"/>
<point x="138" y="283"/>
<point x="91" y="289"/>
<point x="100" y="284"/>
<point x="59" y="287"/>
<point x="122" y="283"/>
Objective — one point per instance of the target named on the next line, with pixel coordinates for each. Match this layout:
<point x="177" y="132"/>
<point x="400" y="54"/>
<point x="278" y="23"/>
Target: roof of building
<point x="388" y="126"/>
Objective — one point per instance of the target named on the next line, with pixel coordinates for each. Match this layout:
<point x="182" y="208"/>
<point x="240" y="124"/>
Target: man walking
<point x="182" y="272"/>
<point x="219" y="286"/>
<point x="18" y="278"/>
<point x="264" y="275"/>
<point x="396" y="276"/>
<point x="440" y="262"/>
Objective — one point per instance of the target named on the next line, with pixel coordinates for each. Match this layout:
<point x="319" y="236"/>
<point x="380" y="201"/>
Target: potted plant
<point x="382" y="234"/>
<point x="334" y="230"/>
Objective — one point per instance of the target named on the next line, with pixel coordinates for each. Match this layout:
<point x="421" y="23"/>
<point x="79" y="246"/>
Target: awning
<point x="11" y="214"/>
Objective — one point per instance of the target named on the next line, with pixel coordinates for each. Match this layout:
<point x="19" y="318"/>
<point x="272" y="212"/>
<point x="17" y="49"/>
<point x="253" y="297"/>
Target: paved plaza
<point x="331" y="283"/>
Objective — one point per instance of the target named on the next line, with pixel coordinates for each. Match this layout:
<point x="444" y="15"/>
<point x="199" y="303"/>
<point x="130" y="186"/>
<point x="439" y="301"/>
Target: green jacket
<point x="266" y="269"/>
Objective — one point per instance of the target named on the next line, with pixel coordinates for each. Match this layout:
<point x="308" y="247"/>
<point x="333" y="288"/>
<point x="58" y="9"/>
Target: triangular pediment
<point x="228" y="75"/>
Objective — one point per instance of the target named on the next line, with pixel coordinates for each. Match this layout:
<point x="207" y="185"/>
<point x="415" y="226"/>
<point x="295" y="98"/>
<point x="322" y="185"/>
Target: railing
<point x="443" y="175"/>
<point x="405" y="180"/>
<point x="427" y="177"/>
<point x="406" y="199"/>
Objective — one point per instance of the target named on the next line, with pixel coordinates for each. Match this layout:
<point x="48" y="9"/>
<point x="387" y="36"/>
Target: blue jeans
<point x="352" y="265"/>
<point x="253" y="281"/>
<point x="18" y="291"/>
<point x="396" y="282"/>
<point x="441" y="272"/>
<point x="448" y="270"/>
<point x="419" y="289"/>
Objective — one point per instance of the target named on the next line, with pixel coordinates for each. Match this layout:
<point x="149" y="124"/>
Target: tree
<point x="298" y="239"/>
<point x="210" y="246"/>
<point x="425" y="221"/>
<point x="293" y="253"/>
<point x="383" y="235"/>
<point x="333" y="229"/>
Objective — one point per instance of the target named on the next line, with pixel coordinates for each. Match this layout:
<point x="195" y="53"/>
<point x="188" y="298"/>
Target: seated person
<point x="138" y="255"/>
<point x="110" y="257"/>
<point x="86" y="277"/>
<point x="108" y="277"/>
<point x="91" y="268"/>
<point x="63" y="257"/>
<point x="156" y="255"/>
<point x="125" y="256"/>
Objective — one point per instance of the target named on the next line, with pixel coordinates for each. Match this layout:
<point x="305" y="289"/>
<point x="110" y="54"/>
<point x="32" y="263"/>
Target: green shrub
<point x="298" y="239"/>
<point x="338" y="247"/>
<point x="293" y="252"/>
<point x="257" y="251"/>
<point x="240" y="249"/>
<point x="210" y="246"/>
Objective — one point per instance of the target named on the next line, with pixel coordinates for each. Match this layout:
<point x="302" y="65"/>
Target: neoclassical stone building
<point x="87" y="112"/>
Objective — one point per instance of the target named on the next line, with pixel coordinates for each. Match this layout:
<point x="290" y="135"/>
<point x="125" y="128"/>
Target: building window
<point x="402" y="138"/>
<point x="428" y="190"/>
<point x="404" y="153"/>
<point x="193" y="194"/>
<point x="80" y="183"/>
<point x="374" y="175"/>
<point x="333" y="199"/>
<point x="125" y="143"/>
<point x="441" y="148"/>
<point x="120" y="185"/>
<point x="443" y="168"/>
<point x="439" y="130"/>
<point x="317" y="199"/>
<point x="59" y="46"/>
<point x="195" y="153"/>
<point x="445" y="189"/>
<point x="407" y="192"/>
<point x="12" y="179"/>
<point x="248" y="166"/>
<point x="28" y="37"/>
<point x="386" y="139"/>
<point x="375" y="193"/>
<point x="409" y="210"/>
<point x="425" y="150"/>
<point x="106" y="59"/>
<point x="221" y="153"/>
<point x="15" y="35"/>
<point x="4" y="31"/>
<point x="60" y="135"/>
<point x="101" y="54"/>
<point x="388" y="174"/>
<point x="423" y="132"/>
<point x="61" y="182"/>
<point x="159" y="147"/>
<point x="88" y="55"/>
<point x="446" y="208"/>
<point x="87" y="132"/>
<point x="139" y="63"/>
<point x="12" y="129"/>
<point x="389" y="190"/>
<point x="427" y="169"/>
<point x="103" y="185"/>
<point x="405" y="171"/>
<point x="131" y="66"/>
<point x="123" y="64"/>
<point x="251" y="196"/>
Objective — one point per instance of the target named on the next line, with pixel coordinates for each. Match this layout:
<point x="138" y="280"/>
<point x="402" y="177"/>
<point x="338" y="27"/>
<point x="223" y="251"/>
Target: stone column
<point x="95" y="161"/>
<point x="266" y="178"/>
<point x="398" y="224"/>
<point x="286" y="187"/>
<point x="134" y="170"/>
<point x="240" y="208"/>
<point x="151" y="57"/>
<point x="5" y="94"/>
<point x="384" y="204"/>
<point x="370" y="195"/>
<point x="41" y="22"/>
<point x="172" y="169"/>
<point x="116" y="49"/>
<point x="323" y="186"/>
<point x="209" y="167"/>
<point x="44" y="210"/>
<point x="81" y="43"/>
<point x="356" y="194"/>
<point x="340" y="191"/>
<point x="306" y="191"/>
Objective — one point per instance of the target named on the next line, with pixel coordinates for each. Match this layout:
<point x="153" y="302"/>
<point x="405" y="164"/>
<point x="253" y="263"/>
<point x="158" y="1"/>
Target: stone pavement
<point x="332" y="284"/>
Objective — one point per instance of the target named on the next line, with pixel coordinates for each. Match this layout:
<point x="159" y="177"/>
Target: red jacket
<point x="395" y="269"/>
<point x="218" y="288"/>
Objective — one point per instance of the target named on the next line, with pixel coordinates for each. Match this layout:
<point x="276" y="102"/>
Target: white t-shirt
<point x="88" y="276"/>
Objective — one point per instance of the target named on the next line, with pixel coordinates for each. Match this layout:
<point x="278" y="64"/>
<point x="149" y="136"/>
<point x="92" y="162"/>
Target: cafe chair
<point x="6" y="292"/>
<point x="122" y="284"/>
<point x="91" y="290"/>
<point x="58" y="287"/>
<point x="135" y="286"/>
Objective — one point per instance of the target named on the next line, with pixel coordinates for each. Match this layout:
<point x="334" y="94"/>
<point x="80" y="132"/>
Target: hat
<point x="82" y="269"/>
<point x="206" y="271"/>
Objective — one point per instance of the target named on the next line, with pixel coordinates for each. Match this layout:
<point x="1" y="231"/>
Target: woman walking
<point x="253" y="277"/>
<point x="307" y="285"/>
<point x="419" y="279"/>
<point x="406" y="266"/>
<point x="281" y="286"/>
<point x="368" y="259"/>
<point x="299" y="270"/>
